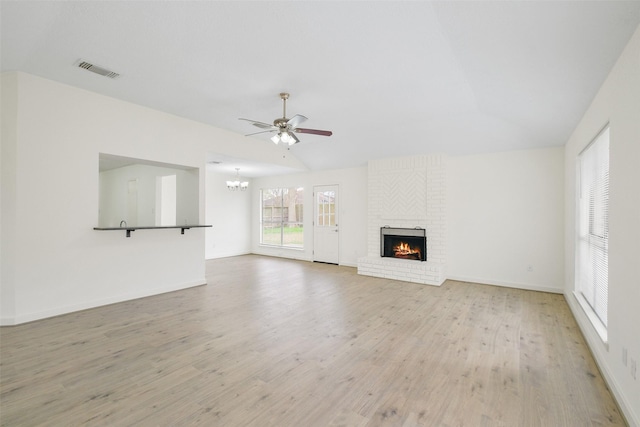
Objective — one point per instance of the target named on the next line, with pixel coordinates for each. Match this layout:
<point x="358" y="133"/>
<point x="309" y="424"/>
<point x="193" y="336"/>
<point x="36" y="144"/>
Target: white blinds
<point x="593" y="225"/>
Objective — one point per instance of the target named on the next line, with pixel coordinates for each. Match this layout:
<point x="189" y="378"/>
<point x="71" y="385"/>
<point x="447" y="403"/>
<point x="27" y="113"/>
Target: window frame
<point x="283" y="223"/>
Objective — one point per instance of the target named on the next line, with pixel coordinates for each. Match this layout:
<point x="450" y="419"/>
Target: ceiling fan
<point x="286" y="128"/>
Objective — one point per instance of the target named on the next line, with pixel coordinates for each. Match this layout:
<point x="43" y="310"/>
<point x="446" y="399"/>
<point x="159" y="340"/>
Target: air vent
<point x="98" y="70"/>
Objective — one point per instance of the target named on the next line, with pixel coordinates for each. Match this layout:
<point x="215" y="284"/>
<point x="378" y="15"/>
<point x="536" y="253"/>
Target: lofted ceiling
<point x="389" y="78"/>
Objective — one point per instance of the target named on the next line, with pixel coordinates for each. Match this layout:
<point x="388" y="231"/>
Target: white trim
<point x="348" y="264"/>
<point x="228" y="254"/>
<point x="597" y="324"/>
<point x="598" y="349"/>
<point x="595" y="138"/>
<point x="281" y="254"/>
<point x="528" y="287"/>
<point x="58" y="311"/>
<point x="293" y="248"/>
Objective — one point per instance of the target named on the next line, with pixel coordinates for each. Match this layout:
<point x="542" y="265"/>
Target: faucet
<point x="123" y="222"/>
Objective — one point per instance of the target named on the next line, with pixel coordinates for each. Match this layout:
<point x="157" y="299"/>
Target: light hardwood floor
<point x="276" y="342"/>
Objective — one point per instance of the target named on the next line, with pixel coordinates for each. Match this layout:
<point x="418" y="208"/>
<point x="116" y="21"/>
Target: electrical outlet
<point x="624" y="356"/>
<point x="633" y="368"/>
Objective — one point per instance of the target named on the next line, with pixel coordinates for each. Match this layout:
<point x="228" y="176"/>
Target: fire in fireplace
<point x="407" y="251"/>
<point x="403" y="243"/>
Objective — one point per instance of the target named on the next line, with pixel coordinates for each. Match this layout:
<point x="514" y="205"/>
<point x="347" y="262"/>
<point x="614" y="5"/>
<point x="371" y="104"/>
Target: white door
<point x="326" y="236"/>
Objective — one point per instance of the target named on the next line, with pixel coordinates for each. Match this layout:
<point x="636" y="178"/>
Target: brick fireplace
<point x="407" y="193"/>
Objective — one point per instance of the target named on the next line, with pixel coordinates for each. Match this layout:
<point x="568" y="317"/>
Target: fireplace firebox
<point x="403" y="243"/>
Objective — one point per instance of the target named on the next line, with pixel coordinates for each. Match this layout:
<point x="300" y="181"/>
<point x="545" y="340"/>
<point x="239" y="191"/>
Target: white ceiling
<point x="389" y="78"/>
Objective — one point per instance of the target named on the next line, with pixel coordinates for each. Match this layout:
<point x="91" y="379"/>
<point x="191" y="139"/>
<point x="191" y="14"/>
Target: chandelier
<point x="236" y="184"/>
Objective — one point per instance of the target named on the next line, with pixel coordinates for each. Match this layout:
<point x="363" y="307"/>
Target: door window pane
<point x="326" y="206"/>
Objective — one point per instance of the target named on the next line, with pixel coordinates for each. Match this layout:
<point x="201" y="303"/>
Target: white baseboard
<point x="342" y="264"/>
<point x="288" y="254"/>
<point x="227" y="254"/>
<point x="57" y="311"/>
<point x="349" y="264"/>
<point x="529" y="287"/>
<point x="598" y="348"/>
<point x="7" y="321"/>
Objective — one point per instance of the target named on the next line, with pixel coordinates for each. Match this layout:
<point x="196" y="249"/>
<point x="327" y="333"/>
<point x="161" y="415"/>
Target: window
<point x="282" y="216"/>
<point x="592" y="247"/>
<point x="326" y="208"/>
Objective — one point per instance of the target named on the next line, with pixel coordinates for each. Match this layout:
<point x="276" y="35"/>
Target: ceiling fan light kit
<point x="286" y="128"/>
<point x="285" y="138"/>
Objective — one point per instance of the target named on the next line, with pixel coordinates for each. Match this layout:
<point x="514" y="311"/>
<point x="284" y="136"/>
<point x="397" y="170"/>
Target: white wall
<point x="353" y="212"/>
<point x="8" y="155"/>
<point x="617" y="102"/>
<point x="229" y="212"/>
<point x="53" y="261"/>
<point x="505" y="214"/>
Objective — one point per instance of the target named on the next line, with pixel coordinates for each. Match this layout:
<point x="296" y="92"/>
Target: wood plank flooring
<point x="277" y="342"/>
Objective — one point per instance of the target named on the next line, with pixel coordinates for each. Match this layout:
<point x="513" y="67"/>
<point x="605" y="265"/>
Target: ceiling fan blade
<point x="262" y="131"/>
<point x="296" y="120"/>
<point x="260" y="124"/>
<point x="314" y="131"/>
<point x="294" y="137"/>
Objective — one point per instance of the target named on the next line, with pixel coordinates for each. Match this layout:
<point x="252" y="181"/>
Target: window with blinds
<point x="592" y="246"/>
